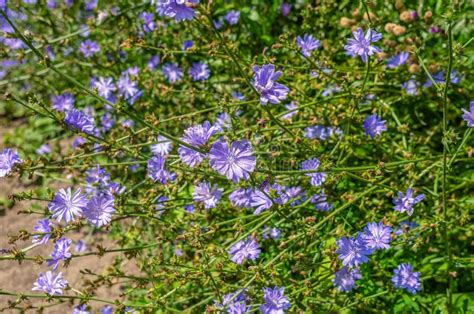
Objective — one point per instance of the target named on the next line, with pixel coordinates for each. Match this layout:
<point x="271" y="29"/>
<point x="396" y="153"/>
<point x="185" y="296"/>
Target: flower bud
<point x="428" y="17"/>
<point x="390" y="43"/>
<point x="399" y="5"/>
<point x="414" y="68"/>
<point x="371" y="15"/>
<point x="389" y="27"/>
<point x="406" y="17"/>
<point x="356" y="13"/>
<point x="346" y="22"/>
<point x="433" y="68"/>
<point x="399" y="30"/>
<point x="381" y="55"/>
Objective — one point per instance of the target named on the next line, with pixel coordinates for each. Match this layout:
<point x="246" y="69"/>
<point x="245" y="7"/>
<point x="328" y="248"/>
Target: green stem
<point x="449" y="291"/>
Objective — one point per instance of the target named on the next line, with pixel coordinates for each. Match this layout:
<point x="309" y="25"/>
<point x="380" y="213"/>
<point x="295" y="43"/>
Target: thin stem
<point x="449" y="291"/>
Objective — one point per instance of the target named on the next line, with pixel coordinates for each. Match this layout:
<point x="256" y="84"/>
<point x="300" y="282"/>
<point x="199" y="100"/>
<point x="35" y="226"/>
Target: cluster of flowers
<point x="67" y="205"/>
<point x="274" y="299"/>
<point x="354" y="251"/>
<point x="234" y="160"/>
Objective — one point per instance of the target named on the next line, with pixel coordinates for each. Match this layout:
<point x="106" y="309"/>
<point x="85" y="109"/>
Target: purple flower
<point x="273" y="233"/>
<point x="80" y="121"/>
<point x="105" y="87"/>
<point x="63" y="102"/>
<point x="245" y="249"/>
<point x="128" y="88"/>
<point x="50" y="283"/>
<point x="330" y="90"/>
<point x="78" y="141"/>
<point x="180" y="10"/>
<point x="89" y="48"/>
<point x="285" y="194"/>
<point x="361" y="46"/>
<point x="115" y="188"/>
<point x="8" y="159"/>
<point x="232" y="17"/>
<point x="161" y="204"/>
<point x="67" y="204"/>
<point x="44" y="149"/>
<point x="317" y="178"/>
<point x="440" y="77"/>
<point x="398" y="60"/>
<point x="81" y="309"/>
<point x="468" y="116"/>
<point x="91" y="5"/>
<point x="437" y="77"/>
<point x="241" y="198"/>
<point x="235" y="162"/>
<point x="346" y="278"/>
<point x="42" y="226"/>
<point x="275" y="301"/>
<point x="107" y="122"/>
<point x="320" y="202"/>
<point x="132" y="71"/>
<point x="238" y="95"/>
<point x="318" y="132"/>
<point x="97" y="175"/>
<point x="238" y="305"/>
<point x="405" y="226"/>
<point x="218" y="23"/>
<point x="148" y="24"/>
<point x="260" y="201"/>
<point x="292" y="108"/>
<point x="307" y="44"/>
<point x="199" y="71"/>
<point x="61" y="252"/>
<point x="187" y="44"/>
<point x="196" y="136"/>
<point x="207" y="194"/>
<point x="377" y="236"/>
<point x="100" y="209"/>
<point x="223" y="121"/>
<point x="295" y="193"/>
<point x="405" y="278"/>
<point x="405" y="202"/>
<point x="352" y="252"/>
<point x="163" y="147"/>
<point x="80" y="246"/>
<point x="411" y="87"/>
<point x="264" y="83"/>
<point x="108" y="309"/>
<point x="285" y="8"/>
<point x="153" y="62"/>
<point x="172" y="72"/>
<point x="156" y="169"/>
<point x="51" y="4"/>
<point x="128" y="123"/>
<point x="374" y="125"/>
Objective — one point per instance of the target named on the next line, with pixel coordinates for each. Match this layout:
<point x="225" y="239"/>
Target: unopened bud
<point x="389" y="27"/>
<point x="346" y="22"/>
<point x="414" y="68"/>
<point x="370" y="17"/>
<point x="406" y="17"/>
<point x="433" y="68"/>
<point x="399" y="30"/>
<point x="428" y="17"/>
<point x="399" y="5"/>
<point x="389" y="43"/>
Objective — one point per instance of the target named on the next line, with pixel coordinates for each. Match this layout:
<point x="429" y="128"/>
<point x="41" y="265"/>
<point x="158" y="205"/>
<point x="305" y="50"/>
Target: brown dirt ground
<point x="20" y="278"/>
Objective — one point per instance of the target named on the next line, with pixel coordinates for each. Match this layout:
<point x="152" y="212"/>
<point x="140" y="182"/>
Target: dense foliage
<point x="247" y="156"/>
